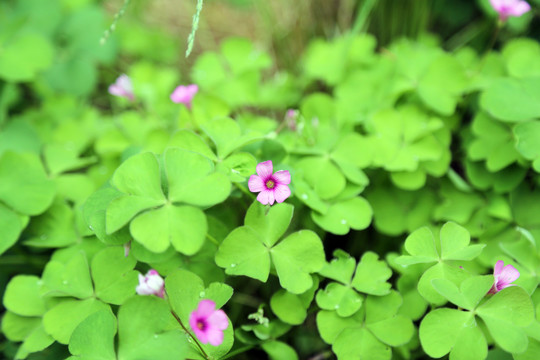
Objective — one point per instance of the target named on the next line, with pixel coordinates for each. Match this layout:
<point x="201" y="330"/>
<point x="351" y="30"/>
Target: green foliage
<point x="146" y="328"/>
<point x="247" y="250"/>
<point x="458" y="332"/>
<point x="422" y="164"/>
<point x="186" y="174"/>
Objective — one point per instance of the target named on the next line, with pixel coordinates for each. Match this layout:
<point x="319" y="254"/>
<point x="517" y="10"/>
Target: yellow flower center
<point x="270" y="184"/>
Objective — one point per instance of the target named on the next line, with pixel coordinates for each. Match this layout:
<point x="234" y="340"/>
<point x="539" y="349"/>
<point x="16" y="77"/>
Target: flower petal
<point x="282" y="177"/>
<point x="271" y="197"/>
<point x="281" y="192"/>
<point x="499" y="265"/>
<point x="497" y="4"/>
<point x="125" y="83"/>
<point x="265" y="169"/>
<point x="184" y="94"/>
<point x="206" y="308"/>
<point x="256" y="184"/>
<point x="508" y="275"/>
<point x="218" y="320"/>
<point x="215" y="337"/>
<point x="202" y="335"/>
<point x="193" y="321"/>
<point x="519" y="8"/>
<point x="263" y="196"/>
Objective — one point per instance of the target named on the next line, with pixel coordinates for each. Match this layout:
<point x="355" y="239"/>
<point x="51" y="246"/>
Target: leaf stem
<point x="189" y="333"/>
<point x="212" y="239"/>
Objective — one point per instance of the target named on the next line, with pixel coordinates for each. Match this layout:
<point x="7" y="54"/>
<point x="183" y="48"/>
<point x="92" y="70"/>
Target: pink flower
<point x="151" y="284"/>
<point x="271" y="186"/>
<point x="184" y="94"/>
<point x="122" y="87"/>
<point x="504" y="276"/>
<point x="507" y="8"/>
<point x="208" y="323"/>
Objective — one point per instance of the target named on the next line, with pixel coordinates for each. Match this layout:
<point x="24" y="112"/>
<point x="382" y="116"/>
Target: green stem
<point x="238" y="351"/>
<point x="194" y="27"/>
<point x="491" y="44"/>
<point x="494" y="37"/>
<point x="362" y="16"/>
<point x="189" y="333"/>
<point x="117" y="17"/>
<point x="212" y="239"/>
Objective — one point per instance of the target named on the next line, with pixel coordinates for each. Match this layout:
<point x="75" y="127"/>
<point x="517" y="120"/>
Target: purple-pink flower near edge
<point x="151" y="284"/>
<point x="208" y="323"/>
<point x="507" y="8"/>
<point x="504" y="276"/>
<point x="122" y="87"/>
<point x="271" y="186"/>
<point x="184" y="94"/>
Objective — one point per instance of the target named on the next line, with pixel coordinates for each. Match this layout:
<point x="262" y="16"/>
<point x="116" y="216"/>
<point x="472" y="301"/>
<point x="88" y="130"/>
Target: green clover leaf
<point x="506" y="315"/>
<point x="158" y="221"/>
<point x="247" y="250"/>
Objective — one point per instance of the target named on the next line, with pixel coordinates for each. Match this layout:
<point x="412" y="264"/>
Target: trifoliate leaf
<point x="449" y="330"/>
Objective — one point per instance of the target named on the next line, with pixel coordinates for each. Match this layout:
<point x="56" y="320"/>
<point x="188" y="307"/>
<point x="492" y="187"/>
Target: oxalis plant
<point x="372" y="205"/>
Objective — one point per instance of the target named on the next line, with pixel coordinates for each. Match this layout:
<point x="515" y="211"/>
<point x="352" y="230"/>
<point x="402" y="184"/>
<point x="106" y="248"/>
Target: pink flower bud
<point x="122" y="87"/>
<point x="151" y="284"/>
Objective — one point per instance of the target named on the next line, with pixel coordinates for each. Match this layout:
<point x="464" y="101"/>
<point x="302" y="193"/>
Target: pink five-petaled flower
<point x="122" y="87"/>
<point x="208" y="323"/>
<point x="271" y="186"/>
<point x="507" y="8"/>
<point x="184" y="94"/>
<point x="151" y="284"/>
<point x="504" y="276"/>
